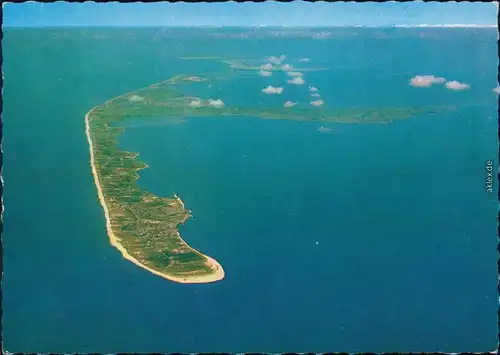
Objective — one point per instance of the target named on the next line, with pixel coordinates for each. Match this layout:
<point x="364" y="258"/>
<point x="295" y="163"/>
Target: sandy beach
<point x="115" y="241"/>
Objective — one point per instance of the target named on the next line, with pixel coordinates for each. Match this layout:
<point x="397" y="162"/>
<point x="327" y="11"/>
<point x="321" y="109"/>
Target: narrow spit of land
<point x="141" y="256"/>
<point x="144" y="227"/>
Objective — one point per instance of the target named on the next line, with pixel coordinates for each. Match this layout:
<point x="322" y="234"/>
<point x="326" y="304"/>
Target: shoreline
<point x="115" y="241"/>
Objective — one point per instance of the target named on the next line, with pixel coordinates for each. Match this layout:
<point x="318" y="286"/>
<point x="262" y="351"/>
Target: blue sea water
<point x="334" y="237"/>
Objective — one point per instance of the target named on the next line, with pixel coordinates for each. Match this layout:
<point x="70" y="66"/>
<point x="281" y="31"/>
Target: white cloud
<point x="304" y="60"/>
<point x="296" y="81"/>
<point x="450" y="25"/>
<point x="322" y="34"/>
<point x="272" y="90"/>
<point x="209" y="102"/>
<point x="455" y="85"/>
<point x="216" y="103"/>
<point x="294" y="73"/>
<point x="274" y="60"/>
<point x="135" y="98"/>
<point x="424" y="81"/>
<point x="315" y="94"/>
<point x="196" y="103"/>
<point x="313" y="89"/>
<point x="267" y="66"/>
<point x="289" y="104"/>
<point x="277" y="60"/>
<point x="265" y="73"/>
<point x="286" y="67"/>
<point x="323" y="129"/>
<point x="497" y="90"/>
<point x="317" y="103"/>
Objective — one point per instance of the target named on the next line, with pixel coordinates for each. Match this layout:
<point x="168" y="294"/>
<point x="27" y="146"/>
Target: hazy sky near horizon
<point x="271" y="13"/>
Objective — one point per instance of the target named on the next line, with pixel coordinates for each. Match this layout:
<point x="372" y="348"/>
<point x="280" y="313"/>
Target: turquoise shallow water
<point x="363" y="238"/>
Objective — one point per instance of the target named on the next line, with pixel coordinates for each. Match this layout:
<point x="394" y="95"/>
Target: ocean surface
<point x="334" y="237"/>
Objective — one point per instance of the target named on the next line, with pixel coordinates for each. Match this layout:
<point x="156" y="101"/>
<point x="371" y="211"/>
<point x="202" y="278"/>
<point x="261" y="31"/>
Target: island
<point x="145" y="227"/>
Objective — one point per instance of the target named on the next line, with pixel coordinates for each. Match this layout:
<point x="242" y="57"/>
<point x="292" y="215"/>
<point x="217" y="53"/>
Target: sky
<point x="270" y="13"/>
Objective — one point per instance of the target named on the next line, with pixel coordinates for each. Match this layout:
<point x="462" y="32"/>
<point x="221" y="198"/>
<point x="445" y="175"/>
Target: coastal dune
<point x="218" y="273"/>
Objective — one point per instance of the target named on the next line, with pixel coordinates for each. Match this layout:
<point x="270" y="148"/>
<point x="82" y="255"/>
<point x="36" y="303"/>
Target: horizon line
<point x="261" y="26"/>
